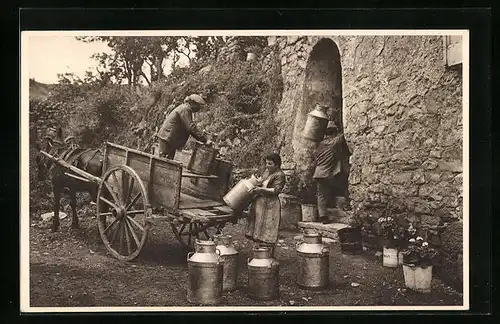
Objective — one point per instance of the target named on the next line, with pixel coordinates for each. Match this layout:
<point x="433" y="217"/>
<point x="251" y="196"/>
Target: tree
<point x="130" y="54"/>
<point x="208" y="47"/>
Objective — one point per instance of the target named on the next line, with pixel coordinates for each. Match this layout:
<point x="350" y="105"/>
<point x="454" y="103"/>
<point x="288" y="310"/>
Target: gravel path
<point x="72" y="269"/>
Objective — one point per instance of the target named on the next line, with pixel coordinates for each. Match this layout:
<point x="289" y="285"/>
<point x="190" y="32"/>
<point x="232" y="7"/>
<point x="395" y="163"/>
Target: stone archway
<point x="322" y="84"/>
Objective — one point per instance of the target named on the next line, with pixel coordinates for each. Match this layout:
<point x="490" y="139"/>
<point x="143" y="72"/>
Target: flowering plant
<point x="419" y="253"/>
<point x="394" y="234"/>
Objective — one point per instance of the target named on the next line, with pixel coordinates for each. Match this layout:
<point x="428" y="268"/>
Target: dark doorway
<point x="323" y="85"/>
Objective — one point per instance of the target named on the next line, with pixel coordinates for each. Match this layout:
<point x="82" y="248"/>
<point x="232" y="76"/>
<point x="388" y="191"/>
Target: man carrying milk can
<point x="332" y="171"/>
<point x="179" y="125"/>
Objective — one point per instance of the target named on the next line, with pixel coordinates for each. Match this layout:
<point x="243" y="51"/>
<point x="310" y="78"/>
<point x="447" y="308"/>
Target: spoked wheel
<point x="123" y="212"/>
<point x="187" y="233"/>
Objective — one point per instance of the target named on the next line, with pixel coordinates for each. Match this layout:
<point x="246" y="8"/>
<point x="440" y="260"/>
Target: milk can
<point x="202" y="158"/>
<point x="313" y="262"/>
<point x="205" y="269"/>
<point x="239" y="197"/>
<point x="263" y="275"/>
<point x="229" y="257"/>
<point x="316" y="123"/>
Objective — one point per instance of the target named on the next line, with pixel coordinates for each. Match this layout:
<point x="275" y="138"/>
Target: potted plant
<point x="350" y="237"/>
<point x="394" y="235"/>
<point x="418" y="259"/>
<point x="308" y="202"/>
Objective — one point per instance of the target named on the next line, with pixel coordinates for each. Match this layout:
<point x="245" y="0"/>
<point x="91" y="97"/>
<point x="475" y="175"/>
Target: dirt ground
<point x="72" y="268"/>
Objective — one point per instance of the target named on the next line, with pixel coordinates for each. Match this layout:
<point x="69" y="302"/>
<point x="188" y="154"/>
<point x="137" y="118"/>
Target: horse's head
<point x="53" y="145"/>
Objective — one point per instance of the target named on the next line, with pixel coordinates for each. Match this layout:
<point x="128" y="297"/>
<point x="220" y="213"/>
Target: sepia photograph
<point x="289" y="170"/>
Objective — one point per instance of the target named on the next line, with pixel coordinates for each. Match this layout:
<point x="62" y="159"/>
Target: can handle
<point x="190" y="254"/>
<point x="248" y="260"/>
<point x="217" y="251"/>
<point x="297" y="244"/>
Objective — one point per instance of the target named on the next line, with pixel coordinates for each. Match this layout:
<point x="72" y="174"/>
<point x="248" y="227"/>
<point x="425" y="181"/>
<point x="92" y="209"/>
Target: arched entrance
<point x="323" y="85"/>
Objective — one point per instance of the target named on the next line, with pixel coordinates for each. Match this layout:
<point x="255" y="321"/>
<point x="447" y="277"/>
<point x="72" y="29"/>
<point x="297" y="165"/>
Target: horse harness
<point x="74" y="152"/>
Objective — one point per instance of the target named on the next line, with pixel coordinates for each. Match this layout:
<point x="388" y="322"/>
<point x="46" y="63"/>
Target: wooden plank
<point x="65" y="164"/>
<point x="215" y="211"/>
<point x="202" y="212"/>
<point x="220" y="218"/>
<point x="186" y="174"/>
<point x="77" y="177"/>
<point x="224" y="208"/>
<point x="189" y="202"/>
<point x="194" y="217"/>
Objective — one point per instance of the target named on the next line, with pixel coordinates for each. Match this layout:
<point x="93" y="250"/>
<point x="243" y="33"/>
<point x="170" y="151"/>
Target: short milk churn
<point x="263" y="274"/>
<point x="205" y="269"/>
<point x="229" y="257"/>
<point x="316" y="123"/>
<point x="313" y="262"/>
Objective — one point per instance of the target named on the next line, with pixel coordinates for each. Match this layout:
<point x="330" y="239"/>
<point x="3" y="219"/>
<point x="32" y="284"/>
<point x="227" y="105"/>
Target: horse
<point x="88" y="160"/>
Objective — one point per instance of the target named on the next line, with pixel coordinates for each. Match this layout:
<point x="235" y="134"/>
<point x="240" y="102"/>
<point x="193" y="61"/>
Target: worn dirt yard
<point x="72" y="268"/>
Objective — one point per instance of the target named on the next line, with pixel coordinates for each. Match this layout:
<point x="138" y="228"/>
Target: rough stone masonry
<point x="400" y="107"/>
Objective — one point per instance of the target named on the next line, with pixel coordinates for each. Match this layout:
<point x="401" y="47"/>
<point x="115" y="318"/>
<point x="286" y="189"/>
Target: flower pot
<point x="417" y="278"/>
<point x="350" y="240"/>
<point x="392" y="257"/>
<point x="309" y="212"/>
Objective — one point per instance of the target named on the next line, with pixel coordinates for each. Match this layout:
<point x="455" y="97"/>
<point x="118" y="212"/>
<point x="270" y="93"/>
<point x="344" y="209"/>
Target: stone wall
<point x="401" y="112"/>
<point x="402" y="117"/>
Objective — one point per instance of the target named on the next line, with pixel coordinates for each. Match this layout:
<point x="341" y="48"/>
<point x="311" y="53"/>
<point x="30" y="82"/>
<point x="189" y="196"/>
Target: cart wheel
<point x="187" y="233"/>
<point x="123" y="212"/>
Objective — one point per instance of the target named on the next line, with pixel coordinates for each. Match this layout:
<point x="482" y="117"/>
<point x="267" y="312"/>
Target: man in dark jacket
<point x="179" y="125"/>
<point x="332" y="170"/>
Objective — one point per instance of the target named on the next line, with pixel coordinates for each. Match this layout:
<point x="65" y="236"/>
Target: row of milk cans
<point x="213" y="269"/>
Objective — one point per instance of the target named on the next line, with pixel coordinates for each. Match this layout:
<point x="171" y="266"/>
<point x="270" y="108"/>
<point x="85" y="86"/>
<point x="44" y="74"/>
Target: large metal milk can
<point x="263" y="275"/>
<point x="313" y="262"/>
<point x="205" y="269"/>
<point x="239" y="197"/>
<point x="316" y="123"/>
<point x="229" y="257"/>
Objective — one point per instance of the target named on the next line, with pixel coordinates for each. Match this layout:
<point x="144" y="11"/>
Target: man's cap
<point x="197" y="99"/>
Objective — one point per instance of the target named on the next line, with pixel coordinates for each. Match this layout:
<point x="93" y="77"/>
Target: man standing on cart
<point x="179" y="125"/>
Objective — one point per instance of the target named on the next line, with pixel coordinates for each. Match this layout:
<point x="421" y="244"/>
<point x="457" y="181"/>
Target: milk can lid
<point x="203" y="242"/>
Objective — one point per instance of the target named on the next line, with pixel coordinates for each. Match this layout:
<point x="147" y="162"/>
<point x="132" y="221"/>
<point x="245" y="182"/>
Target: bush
<point x="241" y="101"/>
<point x="105" y="115"/>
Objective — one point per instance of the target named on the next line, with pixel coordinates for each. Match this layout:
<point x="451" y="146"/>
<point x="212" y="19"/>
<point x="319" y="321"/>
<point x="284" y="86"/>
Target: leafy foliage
<point x="131" y="54"/>
<point x="419" y="253"/>
<point x="392" y="231"/>
<point x="241" y="106"/>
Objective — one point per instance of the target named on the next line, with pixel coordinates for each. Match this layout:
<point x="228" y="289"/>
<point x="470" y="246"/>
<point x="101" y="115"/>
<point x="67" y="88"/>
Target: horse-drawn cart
<point x="137" y="189"/>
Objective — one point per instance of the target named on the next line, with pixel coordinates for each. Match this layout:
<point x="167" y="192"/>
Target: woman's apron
<point x="264" y="218"/>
